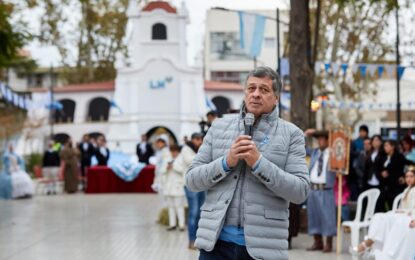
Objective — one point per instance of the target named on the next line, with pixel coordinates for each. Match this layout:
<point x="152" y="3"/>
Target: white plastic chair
<point x="397" y="201"/>
<point x="372" y="196"/>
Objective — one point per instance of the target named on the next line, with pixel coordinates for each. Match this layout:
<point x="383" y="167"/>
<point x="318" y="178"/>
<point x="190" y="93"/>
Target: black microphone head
<point x="249" y="119"/>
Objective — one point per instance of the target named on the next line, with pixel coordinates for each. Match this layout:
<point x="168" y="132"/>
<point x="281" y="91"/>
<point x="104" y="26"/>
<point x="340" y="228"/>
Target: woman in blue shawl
<point x="14" y="171"/>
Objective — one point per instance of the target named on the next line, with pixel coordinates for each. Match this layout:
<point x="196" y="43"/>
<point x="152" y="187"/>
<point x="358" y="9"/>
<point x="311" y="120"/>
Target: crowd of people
<point x="381" y="164"/>
<point x="172" y="163"/>
<point x="60" y="161"/>
<point x="374" y="163"/>
<point x="244" y="191"/>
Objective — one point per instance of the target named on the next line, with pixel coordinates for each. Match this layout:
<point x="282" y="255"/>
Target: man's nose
<point x="256" y="93"/>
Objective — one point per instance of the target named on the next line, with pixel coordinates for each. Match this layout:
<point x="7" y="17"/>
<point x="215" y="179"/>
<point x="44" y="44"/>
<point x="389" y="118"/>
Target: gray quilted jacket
<point x="282" y="177"/>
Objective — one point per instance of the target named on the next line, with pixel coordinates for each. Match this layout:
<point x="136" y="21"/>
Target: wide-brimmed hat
<point x="321" y="133"/>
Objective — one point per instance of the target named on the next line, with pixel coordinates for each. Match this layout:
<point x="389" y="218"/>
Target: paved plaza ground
<point x="101" y="227"/>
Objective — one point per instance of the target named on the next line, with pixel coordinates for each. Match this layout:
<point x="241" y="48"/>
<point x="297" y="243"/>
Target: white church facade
<point x="155" y="90"/>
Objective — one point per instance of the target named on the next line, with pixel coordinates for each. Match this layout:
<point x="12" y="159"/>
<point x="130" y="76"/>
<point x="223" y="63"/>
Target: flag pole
<point x="52" y="109"/>
<point x="339" y="211"/>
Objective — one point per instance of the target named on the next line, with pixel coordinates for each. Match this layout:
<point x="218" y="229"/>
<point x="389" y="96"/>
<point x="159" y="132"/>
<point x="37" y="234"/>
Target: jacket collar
<point x="269" y="117"/>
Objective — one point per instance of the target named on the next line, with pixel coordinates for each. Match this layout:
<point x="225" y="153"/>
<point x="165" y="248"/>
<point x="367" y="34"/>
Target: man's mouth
<point x="255" y="103"/>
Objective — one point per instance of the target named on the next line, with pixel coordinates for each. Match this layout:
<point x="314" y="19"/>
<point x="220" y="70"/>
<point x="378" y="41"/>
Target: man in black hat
<point x="321" y="208"/>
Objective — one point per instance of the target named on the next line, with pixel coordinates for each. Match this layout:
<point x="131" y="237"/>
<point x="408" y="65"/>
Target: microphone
<point x="249" y="128"/>
<point x="249" y="124"/>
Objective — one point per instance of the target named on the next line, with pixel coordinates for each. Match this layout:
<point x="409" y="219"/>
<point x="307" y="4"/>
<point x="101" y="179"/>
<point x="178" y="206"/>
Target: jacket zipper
<point x="242" y="173"/>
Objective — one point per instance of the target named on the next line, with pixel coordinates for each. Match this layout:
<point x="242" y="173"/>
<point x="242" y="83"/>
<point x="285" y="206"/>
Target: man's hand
<point x="242" y="149"/>
<point x="385" y="174"/>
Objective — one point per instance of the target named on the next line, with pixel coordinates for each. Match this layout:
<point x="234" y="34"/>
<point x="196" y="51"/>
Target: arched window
<point x="159" y="32"/>
<point x="99" y="109"/>
<point x="222" y="105"/>
<point x="66" y="114"/>
<point x="61" y="138"/>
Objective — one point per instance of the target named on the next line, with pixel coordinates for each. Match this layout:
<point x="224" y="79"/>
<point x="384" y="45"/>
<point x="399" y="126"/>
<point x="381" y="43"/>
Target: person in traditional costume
<point x="390" y="232"/>
<point x="69" y="157"/>
<point x="321" y="208"/>
<point x="21" y="183"/>
<point x="5" y="185"/>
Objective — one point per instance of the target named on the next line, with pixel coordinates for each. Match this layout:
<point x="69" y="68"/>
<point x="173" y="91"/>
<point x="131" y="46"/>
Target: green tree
<point x="353" y="32"/>
<point x="88" y="43"/>
<point x="12" y="39"/>
<point x="343" y="31"/>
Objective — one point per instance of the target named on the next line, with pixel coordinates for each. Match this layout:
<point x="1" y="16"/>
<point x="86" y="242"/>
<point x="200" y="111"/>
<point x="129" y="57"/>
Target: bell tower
<point x="154" y="86"/>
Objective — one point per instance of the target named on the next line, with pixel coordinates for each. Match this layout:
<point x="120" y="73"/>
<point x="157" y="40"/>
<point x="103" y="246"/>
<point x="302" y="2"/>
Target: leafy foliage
<point x="352" y="31"/>
<point x="12" y="39"/>
<point x="32" y="160"/>
<point x="87" y="34"/>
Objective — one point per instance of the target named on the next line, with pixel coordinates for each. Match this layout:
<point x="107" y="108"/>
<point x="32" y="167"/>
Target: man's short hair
<point x="197" y="135"/>
<point x="364" y="128"/>
<point x="212" y="113"/>
<point x="267" y="72"/>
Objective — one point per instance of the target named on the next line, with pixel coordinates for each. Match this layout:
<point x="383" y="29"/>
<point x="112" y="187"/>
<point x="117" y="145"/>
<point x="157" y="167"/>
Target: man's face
<point x="86" y="138"/>
<point x="197" y="142"/>
<point x="323" y="142"/>
<point x="101" y="141"/>
<point x="211" y="118"/>
<point x="259" y="96"/>
<point x="367" y="145"/>
<point x="144" y="138"/>
<point x="362" y="134"/>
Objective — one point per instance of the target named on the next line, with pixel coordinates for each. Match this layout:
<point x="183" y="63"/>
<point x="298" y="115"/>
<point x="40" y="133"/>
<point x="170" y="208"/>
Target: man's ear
<point x="278" y="99"/>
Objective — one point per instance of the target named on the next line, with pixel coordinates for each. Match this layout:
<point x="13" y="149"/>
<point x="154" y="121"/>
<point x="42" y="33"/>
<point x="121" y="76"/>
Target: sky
<point x="47" y="56"/>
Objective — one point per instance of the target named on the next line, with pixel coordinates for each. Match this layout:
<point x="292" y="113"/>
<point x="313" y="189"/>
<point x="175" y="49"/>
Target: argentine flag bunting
<point x="251" y="27"/>
<point x="210" y="104"/>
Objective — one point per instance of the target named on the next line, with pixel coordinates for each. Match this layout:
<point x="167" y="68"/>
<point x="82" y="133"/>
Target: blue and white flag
<point x="3" y="89"/>
<point x="285" y="67"/>
<point x="251" y="27"/>
<point x="56" y="105"/>
<point x="115" y="105"/>
<point x="210" y="104"/>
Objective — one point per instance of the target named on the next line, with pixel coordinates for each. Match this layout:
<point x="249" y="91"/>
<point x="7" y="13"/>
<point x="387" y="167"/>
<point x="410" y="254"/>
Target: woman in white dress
<point x="163" y="157"/>
<point x="391" y="235"/>
<point x="22" y="184"/>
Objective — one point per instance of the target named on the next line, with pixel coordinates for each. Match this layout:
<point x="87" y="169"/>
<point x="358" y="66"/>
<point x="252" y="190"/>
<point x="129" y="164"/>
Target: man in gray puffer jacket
<point x="249" y="180"/>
